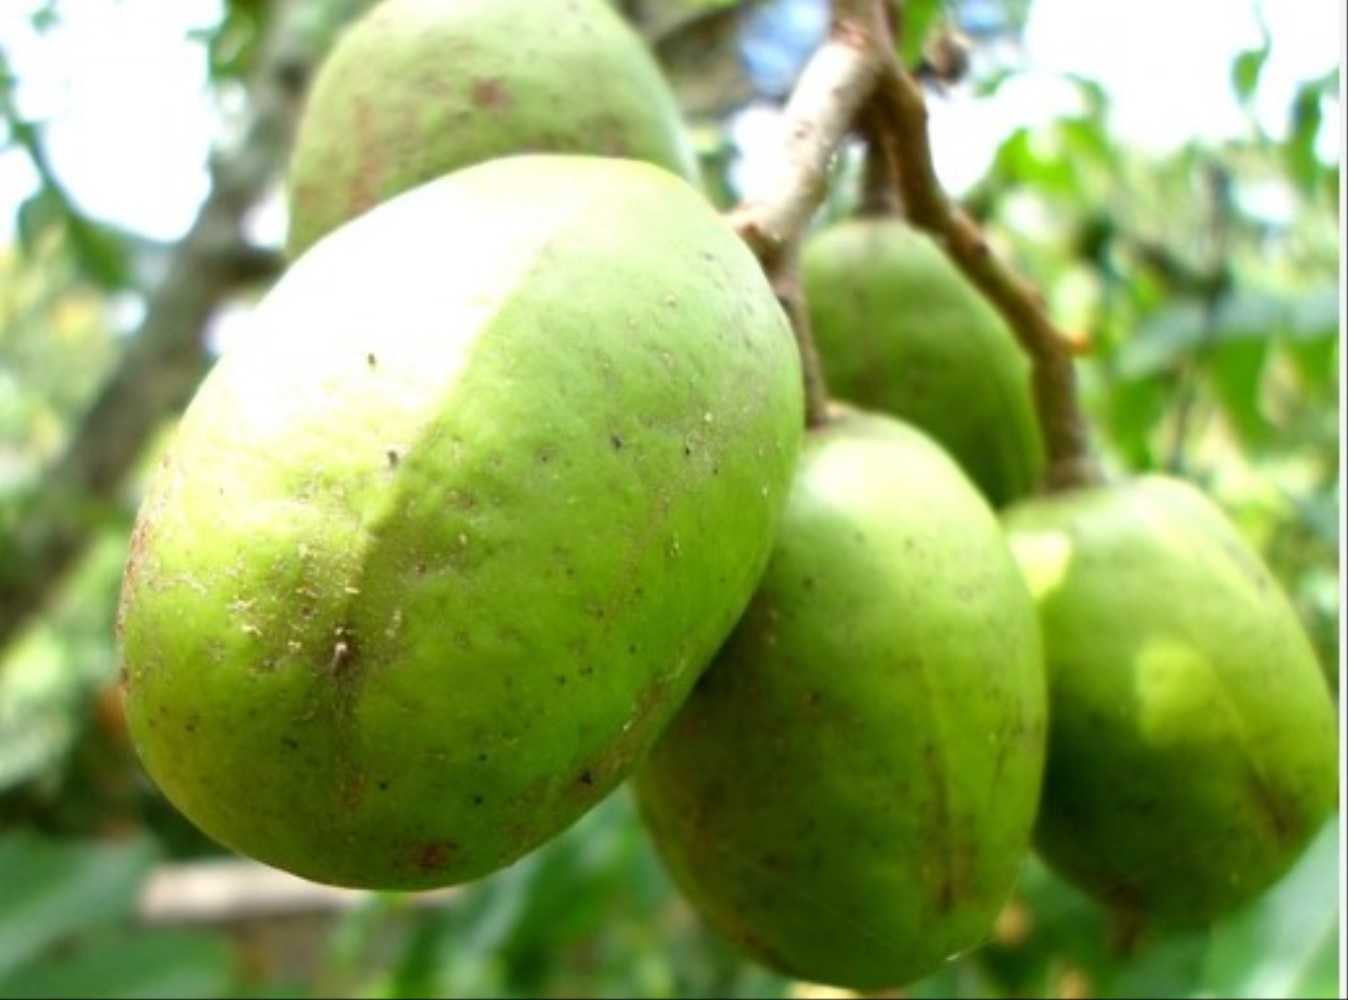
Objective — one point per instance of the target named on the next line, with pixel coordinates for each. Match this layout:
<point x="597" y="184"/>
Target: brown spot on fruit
<point x="435" y="854"/>
<point x="491" y="94"/>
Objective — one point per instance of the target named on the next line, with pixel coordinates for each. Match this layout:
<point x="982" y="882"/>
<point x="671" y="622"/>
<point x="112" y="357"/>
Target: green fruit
<point x="418" y="88"/>
<point x="441" y="546"/>
<point x="900" y="330"/>
<point x="850" y="789"/>
<point x="1192" y="749"/>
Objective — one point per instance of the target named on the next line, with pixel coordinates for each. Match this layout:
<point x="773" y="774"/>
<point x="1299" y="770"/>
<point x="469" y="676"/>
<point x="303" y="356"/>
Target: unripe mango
<point x="418" y="88"/>
<point x="439" y="548"/>
<point x="1192" y="750"/>
<point x="850" y="790"/>
<point x="900" y="330"/>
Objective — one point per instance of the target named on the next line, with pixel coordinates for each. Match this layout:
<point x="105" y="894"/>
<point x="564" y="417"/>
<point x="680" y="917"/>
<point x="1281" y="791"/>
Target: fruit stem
<point x="1126" y="930"/>
<point x="835" y="85"/>
<point x="819" y="116"/>
<point x="854" y="80"/>
<point x="879" y="194"/>
<point x="785" y="277"/>
<point x="899" y="122"/>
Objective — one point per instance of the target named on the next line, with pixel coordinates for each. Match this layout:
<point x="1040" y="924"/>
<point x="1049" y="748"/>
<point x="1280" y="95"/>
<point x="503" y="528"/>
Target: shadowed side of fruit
<point x="418" y="88"/>
<point x="1192" y="750"/>
<point x="900" y="330"/>
<point x="442" y="544"/>
<point x="850" y="789"/>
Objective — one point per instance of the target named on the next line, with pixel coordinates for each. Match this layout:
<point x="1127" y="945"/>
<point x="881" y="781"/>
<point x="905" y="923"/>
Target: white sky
<point x="124" y="95"/>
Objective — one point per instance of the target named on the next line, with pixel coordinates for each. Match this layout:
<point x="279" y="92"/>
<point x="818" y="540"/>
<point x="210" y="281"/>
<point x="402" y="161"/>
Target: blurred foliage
<point x="66" y="928"/>
<point x="49" y="316"/>
<point x="593" y="914"/>
<point x="101" y="257"/>
<point x="1206" y="284"/>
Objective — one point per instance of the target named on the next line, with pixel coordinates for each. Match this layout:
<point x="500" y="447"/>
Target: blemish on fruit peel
<point x="284" y="454"/>
<point x="1045" y="558"/>
<point x="1179" y="692"/>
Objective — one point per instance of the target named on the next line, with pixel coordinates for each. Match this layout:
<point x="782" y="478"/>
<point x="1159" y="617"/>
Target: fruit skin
<point x="441" y="546"/>
<point x="418" y="88"/>
<point x="850" y="789"/>
<point x="1192" y="750"/>
<point x="900" y="330"/>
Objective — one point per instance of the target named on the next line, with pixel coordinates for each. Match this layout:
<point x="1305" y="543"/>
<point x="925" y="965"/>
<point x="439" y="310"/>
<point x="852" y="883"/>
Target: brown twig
<point x="855" y="80"/>
<point x="820" y="114"/>
<point x="833" y="88"/>
<point x="879" y="194"/>
<point x="902" y="125"/>
<point x="785" y="278"/>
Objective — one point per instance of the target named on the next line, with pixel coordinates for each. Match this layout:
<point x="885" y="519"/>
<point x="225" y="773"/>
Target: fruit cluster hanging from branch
<point x="515" y="496"/>
<point x="854" y="84"/>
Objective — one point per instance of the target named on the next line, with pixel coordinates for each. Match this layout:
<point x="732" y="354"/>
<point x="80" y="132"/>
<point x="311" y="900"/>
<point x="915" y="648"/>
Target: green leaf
<point x="55" y="890"/>
<point x="1035" y="158"/>
<point x="1086" y="138"/>
<point x="37" y="215"/>
<point x="1303" y="166"/>
<point x="164" y="963"/>
<point x="101" y="253"/>
<point x="38" y="704"/>
<point x="1246" y="69"/>
<point x="45" y="16"/>
<point x="920" y="18"/>
<point x="1285" y="945"/>
<point x="1170" y="966"/>
<point x="1317" y="362"/>
<point x="232" y="44"/>
<point x="1184" y="331"/>
<point x="1133" y="408"/>
<point x="1237" y="370"/>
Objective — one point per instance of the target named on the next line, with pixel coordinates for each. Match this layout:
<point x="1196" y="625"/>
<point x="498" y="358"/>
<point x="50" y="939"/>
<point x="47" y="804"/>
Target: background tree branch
<point x="166" y="357"/>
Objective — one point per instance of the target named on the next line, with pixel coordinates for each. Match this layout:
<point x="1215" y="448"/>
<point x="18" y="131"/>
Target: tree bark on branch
<point x="166" y="357"/>
<point x="855" y="84"/>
